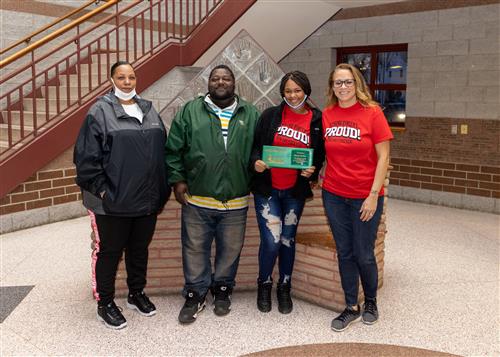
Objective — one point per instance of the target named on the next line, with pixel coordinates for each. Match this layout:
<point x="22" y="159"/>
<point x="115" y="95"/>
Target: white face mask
<point x="121" y="94"/>
<point x="296" y="106"/>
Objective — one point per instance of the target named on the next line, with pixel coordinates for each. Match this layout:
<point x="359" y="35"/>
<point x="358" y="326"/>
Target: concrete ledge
<point x="448" y="199"/>
<point x="38" y="216"/>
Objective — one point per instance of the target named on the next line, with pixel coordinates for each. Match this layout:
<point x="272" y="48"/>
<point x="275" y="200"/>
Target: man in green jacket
<point x="207" y="154"/>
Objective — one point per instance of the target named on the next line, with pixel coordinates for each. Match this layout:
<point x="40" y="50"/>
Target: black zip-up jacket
<point x="268" y="124"/>
<point x="116" y="154"/>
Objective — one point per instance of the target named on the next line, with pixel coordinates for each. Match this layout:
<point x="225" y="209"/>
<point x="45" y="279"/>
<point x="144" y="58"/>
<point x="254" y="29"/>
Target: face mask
<point x="296" y="106"/>
<point x="121" y="94"/>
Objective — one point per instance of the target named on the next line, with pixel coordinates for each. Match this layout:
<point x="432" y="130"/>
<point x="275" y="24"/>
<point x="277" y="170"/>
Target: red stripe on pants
<point x="94" y="253"/>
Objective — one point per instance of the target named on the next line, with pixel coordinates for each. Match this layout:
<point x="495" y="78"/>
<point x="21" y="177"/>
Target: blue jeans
<point x="278" y="218"/>
<point x="199" y="228"/>
<point x="355" y="241"/>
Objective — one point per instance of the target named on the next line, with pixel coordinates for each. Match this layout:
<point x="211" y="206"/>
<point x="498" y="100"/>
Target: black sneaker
<point x="285" y="304"/>
<point x="222" y="299"/>
<point x="193" y="305"/>
<point x="349" y="315"/>
<point x="111" y="316"/>
<point x="370" y="311"/>
<point x="264" y="303"/>
<point x="139" y="301"/>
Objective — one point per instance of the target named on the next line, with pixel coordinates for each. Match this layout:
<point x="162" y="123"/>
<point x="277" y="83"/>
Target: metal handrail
<point x="75" y="38"/>
<point x="49" y="105"/>
<point x="57" y="33"/>
<point x="28" y="38"/>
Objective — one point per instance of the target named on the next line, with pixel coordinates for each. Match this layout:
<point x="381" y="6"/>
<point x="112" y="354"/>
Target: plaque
<point x="285" y="157"/>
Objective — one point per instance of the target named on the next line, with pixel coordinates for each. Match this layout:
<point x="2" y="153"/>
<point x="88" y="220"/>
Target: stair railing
<point x="29" y="38"/>
<point x="42" y="89"/>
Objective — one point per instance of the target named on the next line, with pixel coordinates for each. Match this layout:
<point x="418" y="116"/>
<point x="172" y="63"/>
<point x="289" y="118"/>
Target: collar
<point x="215" y="107"/>
<point x="144" y="105"/>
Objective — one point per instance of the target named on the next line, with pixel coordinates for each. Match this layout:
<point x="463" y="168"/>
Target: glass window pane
<point x="393" y="103"/>
<point x="391" y="67"/>
<point x="362" y="61"/>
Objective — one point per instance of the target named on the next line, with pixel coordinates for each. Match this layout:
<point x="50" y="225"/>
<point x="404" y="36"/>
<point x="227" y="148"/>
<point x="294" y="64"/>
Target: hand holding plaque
<point x="286" y="157"/>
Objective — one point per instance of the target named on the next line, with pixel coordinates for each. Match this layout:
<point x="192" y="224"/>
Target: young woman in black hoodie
<point x="280" y="193"/>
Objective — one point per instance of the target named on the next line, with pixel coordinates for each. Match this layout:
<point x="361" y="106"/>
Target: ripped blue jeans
<point x="278" y="218"/>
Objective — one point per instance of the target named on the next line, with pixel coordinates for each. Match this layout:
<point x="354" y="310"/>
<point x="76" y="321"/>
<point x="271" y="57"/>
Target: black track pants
<point x="115" y="234"/>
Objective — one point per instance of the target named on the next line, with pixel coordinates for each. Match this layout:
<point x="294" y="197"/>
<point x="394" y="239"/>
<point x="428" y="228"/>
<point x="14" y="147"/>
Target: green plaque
<point x="291" y="158"/>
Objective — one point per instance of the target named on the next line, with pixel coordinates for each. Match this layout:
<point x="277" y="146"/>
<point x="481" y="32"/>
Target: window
<point x="384" y="69"/>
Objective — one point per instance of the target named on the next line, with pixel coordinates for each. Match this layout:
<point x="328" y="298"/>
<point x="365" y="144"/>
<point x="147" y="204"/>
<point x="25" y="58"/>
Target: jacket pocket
<point x="108" y="202"/>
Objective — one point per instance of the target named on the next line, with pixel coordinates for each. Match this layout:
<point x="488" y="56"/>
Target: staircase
<point x="35" y="113"/>
<point x="37" y="125"/>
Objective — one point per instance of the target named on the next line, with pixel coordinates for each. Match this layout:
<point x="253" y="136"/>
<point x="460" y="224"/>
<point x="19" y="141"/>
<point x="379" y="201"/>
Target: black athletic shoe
<point x="285" y="304"/>
<point x="111" y="316"/>
<point x="139" y="301"/>
<point x="348" y="316"/>
<point x="222" y="299"/>
<point x="370" y="311"/>
<point x="193" y="305"/>
<point x="264" y="302"/>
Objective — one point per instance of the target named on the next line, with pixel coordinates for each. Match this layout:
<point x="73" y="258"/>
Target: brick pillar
<point x="315" y="278"/>
<point x="316" y="275"/>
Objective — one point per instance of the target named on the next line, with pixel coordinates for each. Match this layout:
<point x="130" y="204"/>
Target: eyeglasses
<point x="348" y="83"/>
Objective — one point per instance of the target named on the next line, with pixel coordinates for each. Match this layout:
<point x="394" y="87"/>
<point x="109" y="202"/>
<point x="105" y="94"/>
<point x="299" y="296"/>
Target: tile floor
<point x="440" y="293"/>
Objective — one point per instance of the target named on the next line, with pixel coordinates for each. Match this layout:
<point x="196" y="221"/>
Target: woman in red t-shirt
<point x="357" y="138"/>
<point x="280" y="193"/>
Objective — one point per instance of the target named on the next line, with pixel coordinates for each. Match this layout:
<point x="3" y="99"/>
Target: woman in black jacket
<point x="280" y="193"/>
<point x="120" y="167"/>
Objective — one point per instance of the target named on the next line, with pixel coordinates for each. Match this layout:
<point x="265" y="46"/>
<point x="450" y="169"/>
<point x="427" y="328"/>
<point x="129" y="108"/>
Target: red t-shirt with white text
<point x="350" y="136"/>
<point x="293" y="132"/>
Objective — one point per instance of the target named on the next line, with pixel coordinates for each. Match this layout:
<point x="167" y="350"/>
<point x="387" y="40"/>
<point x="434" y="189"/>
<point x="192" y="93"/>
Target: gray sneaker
<point x="370" y="311"/>
<point x="348" y="316"/>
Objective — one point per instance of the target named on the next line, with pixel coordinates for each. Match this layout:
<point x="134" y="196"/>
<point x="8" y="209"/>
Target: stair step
<point x="114" y="58"/>
<point x="16" y="132"/>
<point x="27" y="117"/>
<point x="84" y="79"/>
<point x="84" y="68"/>
<point x="40" y="104"/>
<point x="52" y="91"/>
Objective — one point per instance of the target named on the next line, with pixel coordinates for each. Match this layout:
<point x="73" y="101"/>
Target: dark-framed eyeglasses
<point x="348" y="83"/>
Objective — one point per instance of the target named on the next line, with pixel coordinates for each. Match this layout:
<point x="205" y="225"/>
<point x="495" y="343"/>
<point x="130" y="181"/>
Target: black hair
<point x="298" y="77"/>
<point x="118" y="64"/>
<point x="222" y="66"/>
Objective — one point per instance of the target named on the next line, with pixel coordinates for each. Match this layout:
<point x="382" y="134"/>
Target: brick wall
<point x="165" y="259"/>
<point x="447" y="176"/>
<point x="165" y="262"/>
<point x="43" y="189"/>
<point x="316" y="271"/>
<point x="316" y="274"/>
<point x="428" y="156"/>
<point x="315" y="279"/>
<point x="427" y="138"/>
<point x="49" y="195"/>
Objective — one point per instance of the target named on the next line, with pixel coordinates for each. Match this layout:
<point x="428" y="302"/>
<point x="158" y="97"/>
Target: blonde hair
<point x="363" y="95"/>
